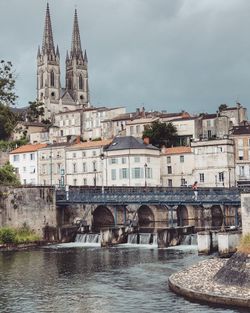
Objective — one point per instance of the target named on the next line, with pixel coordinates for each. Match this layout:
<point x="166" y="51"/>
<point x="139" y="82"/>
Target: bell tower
<point x="77" y="68"/>
<point x="48" y="69"/>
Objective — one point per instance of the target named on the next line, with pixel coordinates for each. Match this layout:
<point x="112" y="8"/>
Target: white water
<point x="142" y="240"/>
<point x="189" y="239"/>
<point x="88" y="239"/>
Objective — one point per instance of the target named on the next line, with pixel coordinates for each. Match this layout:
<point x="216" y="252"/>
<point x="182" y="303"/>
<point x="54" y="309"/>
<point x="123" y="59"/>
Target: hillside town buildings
<point x="87" y="145"/>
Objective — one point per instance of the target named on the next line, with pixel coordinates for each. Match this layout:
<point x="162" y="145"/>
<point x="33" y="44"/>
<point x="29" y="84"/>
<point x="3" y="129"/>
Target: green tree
<point x="7" y="84"/>
<point x="7" y="122"/>
<point x="160" y="134"/>
<point x="222" y="107"/>
<point x="7" y="98"/>
<point x="8" y="175"/>
<point x="35" y="111"/>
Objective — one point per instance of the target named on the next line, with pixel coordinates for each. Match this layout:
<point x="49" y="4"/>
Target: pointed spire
<point x="85" y="56"/>
<point x="76" y="49"/>
<point x="38" y="52"/>
<point x="67" y="56"/>
<point x="57" y="52"/>
<point x="48" y="44"/>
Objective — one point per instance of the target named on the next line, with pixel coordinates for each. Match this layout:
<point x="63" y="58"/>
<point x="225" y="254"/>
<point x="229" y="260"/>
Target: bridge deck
<point x="149" y="196"/>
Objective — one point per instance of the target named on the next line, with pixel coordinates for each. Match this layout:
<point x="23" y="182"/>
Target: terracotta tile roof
<point x="91" y="144"/>
<point x="28" y="148"/>
<point x="177" y="150"/>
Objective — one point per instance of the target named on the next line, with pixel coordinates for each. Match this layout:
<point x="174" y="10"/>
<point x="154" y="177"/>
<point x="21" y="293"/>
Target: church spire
<point x="76" y="49"/>
<point x="48" y="44"/>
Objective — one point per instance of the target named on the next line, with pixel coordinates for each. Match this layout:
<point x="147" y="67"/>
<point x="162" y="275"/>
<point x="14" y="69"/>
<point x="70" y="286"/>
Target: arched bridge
<point x="148" y="195"/>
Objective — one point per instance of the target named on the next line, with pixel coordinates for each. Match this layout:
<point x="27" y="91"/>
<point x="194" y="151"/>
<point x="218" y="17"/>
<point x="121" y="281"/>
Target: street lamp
<point x="102" y="158"/>
<point x="95" y="177"/>
<point x="145" y="173"/>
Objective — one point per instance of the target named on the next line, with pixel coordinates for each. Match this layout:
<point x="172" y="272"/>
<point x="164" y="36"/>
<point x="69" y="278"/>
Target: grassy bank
<point x="21" y="235"/>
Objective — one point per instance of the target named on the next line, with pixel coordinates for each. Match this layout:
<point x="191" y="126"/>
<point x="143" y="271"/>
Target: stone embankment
<point x="210" y="281"/>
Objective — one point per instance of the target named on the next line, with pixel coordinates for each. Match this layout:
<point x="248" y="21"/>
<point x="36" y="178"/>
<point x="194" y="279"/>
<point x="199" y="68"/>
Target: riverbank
<point x="22" y="246"/>
<point x="198" y="283"/>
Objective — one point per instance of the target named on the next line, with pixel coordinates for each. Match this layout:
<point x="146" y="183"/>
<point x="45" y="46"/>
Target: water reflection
<point x="94" y="280"/>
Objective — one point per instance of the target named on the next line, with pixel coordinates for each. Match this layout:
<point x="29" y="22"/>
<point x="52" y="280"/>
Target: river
<point x="94" y="280"/>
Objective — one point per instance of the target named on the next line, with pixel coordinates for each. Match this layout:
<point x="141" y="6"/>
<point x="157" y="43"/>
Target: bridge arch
<point x="182" y="215"/>
<point x="102" y="217"/>
<point x="217" y="215"/>
<point x="145" y="216"/>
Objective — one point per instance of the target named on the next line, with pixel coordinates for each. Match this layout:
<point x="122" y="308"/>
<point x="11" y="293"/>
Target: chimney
<point x="163" y="149"/>
<point x="146" y="140"/>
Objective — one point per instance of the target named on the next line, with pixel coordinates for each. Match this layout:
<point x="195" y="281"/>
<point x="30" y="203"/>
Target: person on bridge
<point x="195" y="189"/>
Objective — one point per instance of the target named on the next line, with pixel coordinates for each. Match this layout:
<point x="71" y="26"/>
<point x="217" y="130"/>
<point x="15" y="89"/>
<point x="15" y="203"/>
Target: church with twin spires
<point x="75" y="94"/>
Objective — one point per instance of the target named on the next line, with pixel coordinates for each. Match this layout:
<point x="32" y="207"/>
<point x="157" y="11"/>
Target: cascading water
<point x="88" y="239"/>
<point x="143" y="239"/>
<point x="190" y="240"/>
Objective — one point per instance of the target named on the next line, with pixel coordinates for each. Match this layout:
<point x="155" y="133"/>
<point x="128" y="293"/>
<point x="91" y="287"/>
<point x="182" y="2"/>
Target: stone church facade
<point x="75" y="94"/>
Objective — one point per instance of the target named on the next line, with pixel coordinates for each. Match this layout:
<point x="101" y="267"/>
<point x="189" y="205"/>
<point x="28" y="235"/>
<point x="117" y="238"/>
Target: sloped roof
<point x="241" y="130"/>
<point x="177" y="150"/>
<point x="91" y="144"/>
<point x="128" y="142"/>
<point x="28" y="148"/>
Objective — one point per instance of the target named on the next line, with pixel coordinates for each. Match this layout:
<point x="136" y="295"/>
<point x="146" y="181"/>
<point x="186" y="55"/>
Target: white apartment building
<point x="177" y="166"/>
<point x="137" y="126"/>
<point x="214" y="162"/>
<point x="85" y="164"/>
<point x="51" y="164"/>
<point x="25" y="161"/>
<point x="130" y="161"/>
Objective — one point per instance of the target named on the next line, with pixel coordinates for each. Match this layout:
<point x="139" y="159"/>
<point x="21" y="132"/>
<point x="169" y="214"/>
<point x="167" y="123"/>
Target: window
<point x="137" y="159"/>
<point x="24" y="156"/>
<point x="240" y="143"/>
<point x="52" y="79"/>
<point x="148" y="172"/>
<point x="220" y="149"/>
<point x="137" y="172"/>
<point x="202" y="178"/>
<point x="123" y="173"/>
<point x="209" y="134"/>
<point x="94" y="166"/>
<point x="58" y="168"/>
<point x="85" y="181"/>
<point x="24" y="169"/>
<point x="170" y="183"/>
<point x="131" y="130"/>
<point x="181" y="158"/>
<point x="183" y="182"/>
<point x="74" y="155"/>
<point x="32" y="156"/>
<point x="169" y="169"/>
<point x="16" y="158"/>
<point x="124" y="160"/>
<point x="113" y="174"/>
<point x="80" y="82"/>
<point x="240" y="154"/>
<point x="208" y="123"/>
<point x="94" y="153"/>
<point x="113" y="161"/>
<point x="84" y="154"/>
<point x="137" y="129"/>
<point x="74" y="168"/>
<point x="221" y="177"/>
<point x="242" y="171"/>
<point x="84" y="168"/>
<point x="75" y="182"/>
<point x="168" y="159"/>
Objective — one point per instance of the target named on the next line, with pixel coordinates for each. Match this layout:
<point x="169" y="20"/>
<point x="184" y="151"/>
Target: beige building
<point x="177" y="166"/>
<point x="241" y="136"/>
<point x="214" y="162"/>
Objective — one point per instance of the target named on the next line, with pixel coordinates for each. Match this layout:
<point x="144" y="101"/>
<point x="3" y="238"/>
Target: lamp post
<point x="102" y="158"/>
<point x="145" y="173"/>
<point x="95" y="177"/>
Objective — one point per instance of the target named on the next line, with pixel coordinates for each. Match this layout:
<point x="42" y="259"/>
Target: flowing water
<point x="94" y="280"/>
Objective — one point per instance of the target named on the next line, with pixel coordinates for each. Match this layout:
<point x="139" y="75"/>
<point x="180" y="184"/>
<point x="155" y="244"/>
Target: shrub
<point x="7" y="235"/>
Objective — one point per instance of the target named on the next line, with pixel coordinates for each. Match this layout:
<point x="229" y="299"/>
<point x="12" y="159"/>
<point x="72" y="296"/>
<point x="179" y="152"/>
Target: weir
<point x="143" y="239"/>
<point x="89" y="239"/>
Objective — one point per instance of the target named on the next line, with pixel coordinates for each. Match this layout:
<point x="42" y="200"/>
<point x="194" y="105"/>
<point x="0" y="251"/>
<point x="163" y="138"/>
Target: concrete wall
<point x="245" y="213"/>
<point x="34" y="207"/>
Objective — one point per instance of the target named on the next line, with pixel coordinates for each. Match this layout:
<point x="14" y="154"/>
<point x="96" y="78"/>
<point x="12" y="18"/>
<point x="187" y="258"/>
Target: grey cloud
<point x="165" y="54"/>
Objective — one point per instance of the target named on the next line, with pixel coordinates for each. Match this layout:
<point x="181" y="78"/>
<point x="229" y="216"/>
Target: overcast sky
<point x="169" y="55"/>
